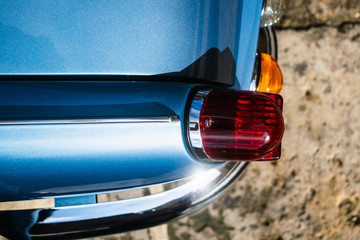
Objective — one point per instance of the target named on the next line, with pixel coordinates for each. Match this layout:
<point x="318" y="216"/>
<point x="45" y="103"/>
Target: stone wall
<point x="306" y="13"/>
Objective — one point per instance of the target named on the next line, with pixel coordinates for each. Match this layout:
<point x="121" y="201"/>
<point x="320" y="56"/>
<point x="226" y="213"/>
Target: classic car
<point x="110" y="97"/>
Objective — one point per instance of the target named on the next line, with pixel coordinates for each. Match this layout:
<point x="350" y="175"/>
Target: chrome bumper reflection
<point x="135" y="213"/>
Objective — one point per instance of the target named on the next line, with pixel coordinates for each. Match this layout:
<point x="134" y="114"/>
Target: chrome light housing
<point x="271" y="12"/>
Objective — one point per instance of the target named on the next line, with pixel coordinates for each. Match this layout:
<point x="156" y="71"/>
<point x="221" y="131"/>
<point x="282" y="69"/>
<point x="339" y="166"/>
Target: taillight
<point x="237" y="125"/>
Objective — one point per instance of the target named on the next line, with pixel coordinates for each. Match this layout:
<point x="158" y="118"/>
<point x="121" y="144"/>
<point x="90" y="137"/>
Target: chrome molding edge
<point x="263" y="7"/>
<point x="137" y="213"/>
<point x="256" y="73"/>
<point x="268" y="41"/>
<point x="193" y="130"/>
<point x="90" y="121"/>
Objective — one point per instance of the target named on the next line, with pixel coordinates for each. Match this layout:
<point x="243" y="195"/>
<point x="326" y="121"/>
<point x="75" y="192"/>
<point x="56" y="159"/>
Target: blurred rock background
<point x="302" y="14"/>
<point x="313" y="192"/>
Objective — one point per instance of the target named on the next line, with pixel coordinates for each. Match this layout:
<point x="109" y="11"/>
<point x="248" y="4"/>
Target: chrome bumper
<point x="131" y="214"/>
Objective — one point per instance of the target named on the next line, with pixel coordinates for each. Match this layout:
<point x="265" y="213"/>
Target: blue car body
<point x="126" y="37"/>
<point x="77" y="61"/>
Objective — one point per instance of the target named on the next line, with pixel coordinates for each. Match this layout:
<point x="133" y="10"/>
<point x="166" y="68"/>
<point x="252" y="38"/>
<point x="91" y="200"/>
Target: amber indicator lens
<point x="241" y="125"/>
<point x="271" y="79"/>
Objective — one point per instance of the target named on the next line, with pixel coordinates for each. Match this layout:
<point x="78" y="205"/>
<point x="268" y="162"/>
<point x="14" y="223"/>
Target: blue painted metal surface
<point x="129" y="37"/>
<point x="170" y="38"/>
<point x="50" y="160"/>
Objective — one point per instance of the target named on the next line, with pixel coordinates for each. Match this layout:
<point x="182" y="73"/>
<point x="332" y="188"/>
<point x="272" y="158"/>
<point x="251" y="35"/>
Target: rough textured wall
<point x="306" y="13"/>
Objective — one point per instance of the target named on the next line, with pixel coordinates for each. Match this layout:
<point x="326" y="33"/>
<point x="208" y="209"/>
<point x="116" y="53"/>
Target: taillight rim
<point x="193" y="127"/>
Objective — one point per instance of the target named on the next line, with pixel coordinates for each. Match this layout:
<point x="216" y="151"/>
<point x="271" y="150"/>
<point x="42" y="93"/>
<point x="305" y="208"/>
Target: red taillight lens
<point x="241" y="125"/>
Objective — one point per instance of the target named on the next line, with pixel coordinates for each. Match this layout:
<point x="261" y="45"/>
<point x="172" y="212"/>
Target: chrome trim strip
<point x="137" y="213"/>
<point x="27" y="204"/>
<point x="91" y="121"/>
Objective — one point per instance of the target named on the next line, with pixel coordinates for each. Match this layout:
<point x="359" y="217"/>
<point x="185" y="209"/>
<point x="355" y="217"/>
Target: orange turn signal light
<point x="271" y="79"/>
